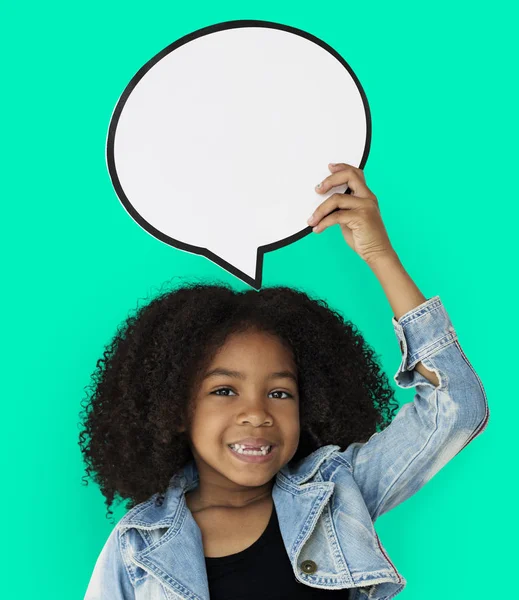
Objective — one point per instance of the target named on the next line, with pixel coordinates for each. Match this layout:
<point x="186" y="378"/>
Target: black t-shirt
<point x="261" y="571"/>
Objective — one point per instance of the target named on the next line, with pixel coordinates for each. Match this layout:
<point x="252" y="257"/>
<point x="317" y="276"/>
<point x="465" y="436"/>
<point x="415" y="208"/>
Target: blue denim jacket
<point x="327" y="503"/>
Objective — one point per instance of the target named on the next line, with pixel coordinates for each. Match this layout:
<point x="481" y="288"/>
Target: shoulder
<point x="139" y="514"/>
<point x="324" y="461"/>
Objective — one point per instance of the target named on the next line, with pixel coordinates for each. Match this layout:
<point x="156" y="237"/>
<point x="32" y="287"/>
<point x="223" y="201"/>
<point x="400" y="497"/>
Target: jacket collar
<point x="177" y="558"/>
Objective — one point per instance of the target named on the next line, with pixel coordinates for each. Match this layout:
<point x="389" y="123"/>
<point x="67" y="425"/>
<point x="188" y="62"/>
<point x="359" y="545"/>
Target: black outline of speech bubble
<point x="256" y="282"/>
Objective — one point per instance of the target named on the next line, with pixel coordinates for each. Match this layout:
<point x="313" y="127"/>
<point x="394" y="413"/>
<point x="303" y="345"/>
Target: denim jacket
<point x="327" y="502"/>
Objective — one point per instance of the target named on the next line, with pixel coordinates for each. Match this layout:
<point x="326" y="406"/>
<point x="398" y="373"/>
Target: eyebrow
<point x="238" y="375"/>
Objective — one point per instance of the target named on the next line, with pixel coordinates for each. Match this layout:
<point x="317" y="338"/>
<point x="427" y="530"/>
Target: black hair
<point x="141" y="386"/>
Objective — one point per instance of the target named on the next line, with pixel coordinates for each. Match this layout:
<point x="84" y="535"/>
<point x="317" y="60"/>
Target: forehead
<point x="242" y="346"/>
<point x="253" y="354"/>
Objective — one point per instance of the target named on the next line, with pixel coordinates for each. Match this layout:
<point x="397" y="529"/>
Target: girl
<point x="253" y="434"/>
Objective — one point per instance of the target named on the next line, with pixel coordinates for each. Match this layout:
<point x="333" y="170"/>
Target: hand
<point x="358" y="214"/>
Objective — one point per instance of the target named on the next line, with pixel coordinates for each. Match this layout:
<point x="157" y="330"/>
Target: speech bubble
<point x="216" y="144"/>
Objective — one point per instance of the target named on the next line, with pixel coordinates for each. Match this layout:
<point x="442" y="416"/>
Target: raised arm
<point x="449" y="409"/>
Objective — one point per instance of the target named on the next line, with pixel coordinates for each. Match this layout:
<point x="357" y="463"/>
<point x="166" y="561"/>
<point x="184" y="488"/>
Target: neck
<point x="208" y="495"/>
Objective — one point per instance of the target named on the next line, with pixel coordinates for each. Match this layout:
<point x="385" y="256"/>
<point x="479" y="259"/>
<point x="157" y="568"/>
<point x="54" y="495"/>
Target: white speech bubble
<point x="216" y="144"/>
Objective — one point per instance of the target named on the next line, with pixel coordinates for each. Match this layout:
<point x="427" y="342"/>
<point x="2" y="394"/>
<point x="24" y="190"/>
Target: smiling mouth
<point x="263" y="451"/>
<point x="252" y="456"/>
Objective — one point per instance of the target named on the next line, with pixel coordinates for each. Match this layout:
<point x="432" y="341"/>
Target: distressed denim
<point x="326" y="503"/>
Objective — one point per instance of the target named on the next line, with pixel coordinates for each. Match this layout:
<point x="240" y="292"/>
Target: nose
<point x="255" y="411"/>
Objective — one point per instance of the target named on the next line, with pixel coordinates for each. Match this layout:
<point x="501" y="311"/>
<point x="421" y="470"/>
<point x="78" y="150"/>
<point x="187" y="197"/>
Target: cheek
<point x="291" y="424"/>
<point x="207" y="424"/>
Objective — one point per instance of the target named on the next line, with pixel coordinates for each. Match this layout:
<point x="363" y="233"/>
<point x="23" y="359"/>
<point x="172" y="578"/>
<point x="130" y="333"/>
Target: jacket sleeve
<point x="428" y="432"/>
<point x="110" y="579"/>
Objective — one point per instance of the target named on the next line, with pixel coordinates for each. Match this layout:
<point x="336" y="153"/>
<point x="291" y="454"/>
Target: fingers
<point x="343" y="173"/>
<point x="330" y="204"/>
<point x="347" y="217"/>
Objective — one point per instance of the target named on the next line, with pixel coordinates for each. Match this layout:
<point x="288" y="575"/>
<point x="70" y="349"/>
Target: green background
<point x="441" y="84"/>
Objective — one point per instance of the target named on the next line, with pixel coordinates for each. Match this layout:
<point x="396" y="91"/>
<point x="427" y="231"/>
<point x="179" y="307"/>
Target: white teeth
<point x="241" y="450"/>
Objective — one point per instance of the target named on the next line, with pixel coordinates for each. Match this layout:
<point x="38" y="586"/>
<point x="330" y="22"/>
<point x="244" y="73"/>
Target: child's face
<point x="258" y="405"/>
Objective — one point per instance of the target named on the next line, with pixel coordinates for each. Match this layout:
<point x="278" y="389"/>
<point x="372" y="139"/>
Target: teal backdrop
<point x="441" y="80"/>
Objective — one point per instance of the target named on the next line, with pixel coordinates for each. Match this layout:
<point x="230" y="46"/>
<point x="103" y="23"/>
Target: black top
<point x="261" y="571"/>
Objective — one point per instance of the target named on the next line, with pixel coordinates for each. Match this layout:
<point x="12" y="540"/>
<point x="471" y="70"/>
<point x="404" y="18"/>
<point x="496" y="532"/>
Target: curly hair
<point x="141" y="386"/>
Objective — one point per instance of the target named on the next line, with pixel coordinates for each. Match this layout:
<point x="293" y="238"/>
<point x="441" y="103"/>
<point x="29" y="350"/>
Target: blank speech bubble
<point x="216" y="144"/>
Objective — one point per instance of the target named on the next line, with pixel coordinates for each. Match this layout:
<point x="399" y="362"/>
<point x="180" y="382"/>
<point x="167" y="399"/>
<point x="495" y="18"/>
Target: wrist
<point x="383" y="260"/>
<point x="401" y="291"/>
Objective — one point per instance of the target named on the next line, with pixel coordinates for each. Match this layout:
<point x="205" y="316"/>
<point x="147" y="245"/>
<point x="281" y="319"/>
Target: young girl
<point x="252" y="433"/>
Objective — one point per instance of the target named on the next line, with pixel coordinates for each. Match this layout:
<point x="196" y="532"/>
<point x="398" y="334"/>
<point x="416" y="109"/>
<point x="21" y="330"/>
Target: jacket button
<point x="308" y="566"/>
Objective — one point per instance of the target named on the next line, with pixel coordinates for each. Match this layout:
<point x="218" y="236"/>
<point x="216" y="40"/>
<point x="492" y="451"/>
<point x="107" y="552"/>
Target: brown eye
<point x="275" y="392"/>
<point x="220" y="390"/>
<point x="282" y="392"/>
